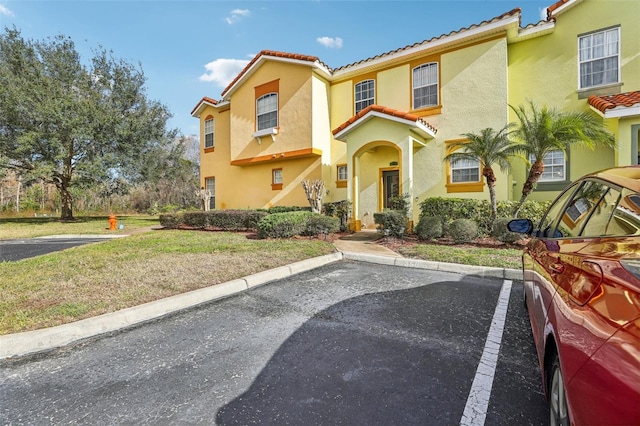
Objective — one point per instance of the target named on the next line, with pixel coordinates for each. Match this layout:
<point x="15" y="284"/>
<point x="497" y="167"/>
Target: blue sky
<point x="190" y="49"/>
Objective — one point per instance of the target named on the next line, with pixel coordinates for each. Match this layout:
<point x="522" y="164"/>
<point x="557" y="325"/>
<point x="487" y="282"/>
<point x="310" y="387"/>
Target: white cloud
<point x="330" y="42"/>
<point x="223" y="71"/>
<point x="543" y="13"/>
<point x="237" y="15"/>
<point x="5" y="11"/>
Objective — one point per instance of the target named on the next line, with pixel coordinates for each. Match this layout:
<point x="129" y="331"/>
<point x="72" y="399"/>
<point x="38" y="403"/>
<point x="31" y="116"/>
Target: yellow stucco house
<point x="380" y="127"/>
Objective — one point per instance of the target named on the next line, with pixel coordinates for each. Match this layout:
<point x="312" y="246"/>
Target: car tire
<point x="558" y="410"/>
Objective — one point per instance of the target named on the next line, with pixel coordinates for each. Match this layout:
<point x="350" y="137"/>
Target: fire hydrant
<point x="112" y="222"/>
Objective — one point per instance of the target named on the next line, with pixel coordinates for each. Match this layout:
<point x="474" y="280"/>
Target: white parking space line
<point x="475" y="411"/>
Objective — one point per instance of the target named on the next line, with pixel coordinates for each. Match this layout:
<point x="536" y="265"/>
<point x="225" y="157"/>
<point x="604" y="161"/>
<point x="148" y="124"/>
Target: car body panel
<point x="583" y="303"/>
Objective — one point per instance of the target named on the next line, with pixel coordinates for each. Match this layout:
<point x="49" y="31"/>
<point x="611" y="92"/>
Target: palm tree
<point x="542" y="130"/>
<point x="488" y="147"/>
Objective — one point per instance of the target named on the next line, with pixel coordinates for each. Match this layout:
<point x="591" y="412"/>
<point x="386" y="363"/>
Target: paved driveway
<point x="348" y="343"/>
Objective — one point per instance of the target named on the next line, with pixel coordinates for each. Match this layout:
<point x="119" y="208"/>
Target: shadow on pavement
<point x="397" y="357"/>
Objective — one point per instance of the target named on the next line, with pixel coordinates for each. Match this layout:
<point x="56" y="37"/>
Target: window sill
<point x="465" y="187"/>
<point x="276" y="186"/>
<point x="606" y="89"/>
<point x="210" y="149"/>
<point x="273" y="131"/>
<point x="341" y="184"/>
<point x="428" y="110"/>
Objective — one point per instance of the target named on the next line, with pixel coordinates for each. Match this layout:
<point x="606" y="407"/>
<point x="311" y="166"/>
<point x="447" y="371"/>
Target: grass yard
<point x="31" y="227"/>
<point x="94" y="279"/>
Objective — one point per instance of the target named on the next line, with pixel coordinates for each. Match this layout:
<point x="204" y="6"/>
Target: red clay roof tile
<point x="512" y="12"/>
<point x="204" y="99"/>
<point x="603" y="103"/>
<point x="383" y="110"/>
<point x="274" y="54"/>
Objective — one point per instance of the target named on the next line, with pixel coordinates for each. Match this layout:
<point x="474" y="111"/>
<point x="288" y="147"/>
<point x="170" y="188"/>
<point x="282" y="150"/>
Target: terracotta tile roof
<point x="275" y="54"/>
<point x="603" y="103"/>
<point x="383" y="110"/>
<point x="513" y="12"/>
<point x="553" y="7"/>
<point x="203" y="100"/>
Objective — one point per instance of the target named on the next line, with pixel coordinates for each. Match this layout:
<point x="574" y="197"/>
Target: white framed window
<point x="209" y="139"/>
<point x="599" y="58"/>
<point x="425" y="85"/>
<point x="365" y="94"/>
<point x="465" y="170"/>
<point x="210" y="185"/>
<point x="276" y="179"/>
<point x="342" y="172"/>
<point x="555" y="166"/>
<point x="267" y="111"/>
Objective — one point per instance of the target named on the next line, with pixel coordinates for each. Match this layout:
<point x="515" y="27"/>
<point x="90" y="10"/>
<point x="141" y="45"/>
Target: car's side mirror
<point x="521" y="226"/>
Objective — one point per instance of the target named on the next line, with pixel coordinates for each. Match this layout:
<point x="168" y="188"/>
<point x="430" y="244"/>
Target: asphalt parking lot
<point x="347" y="343"/>
<point x="12" y="250"/>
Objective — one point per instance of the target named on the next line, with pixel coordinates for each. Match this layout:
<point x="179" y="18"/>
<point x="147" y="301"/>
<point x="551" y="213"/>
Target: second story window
<point x="365" y="94"/>
<point x="209" y="139"/>
<point x="599" y="58"/>
<point x="267" y="111"/>
<point x="425" y="85"/>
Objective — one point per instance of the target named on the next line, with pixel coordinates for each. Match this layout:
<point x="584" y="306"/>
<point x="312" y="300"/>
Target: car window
<point x="626" y="215"/>
<point x="548" y="222"/>
<point x="603" y="200"/>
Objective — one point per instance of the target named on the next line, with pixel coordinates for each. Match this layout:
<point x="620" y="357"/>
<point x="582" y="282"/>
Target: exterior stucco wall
<point x="474" y="94"/>
<point x="294" y="112"/>
<point x="545" y="70"/>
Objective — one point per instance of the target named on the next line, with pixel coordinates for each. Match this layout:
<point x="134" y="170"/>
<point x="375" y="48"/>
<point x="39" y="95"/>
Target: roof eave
<point x="618" y="112"/>
<point x="469" y="33"/>
<point x="263" y="58"/>
<point x="417" y="126"/>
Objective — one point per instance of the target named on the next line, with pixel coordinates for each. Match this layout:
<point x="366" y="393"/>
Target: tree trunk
<point x="488" y="174"/>
<point x="537" y="168"/>
<point x="18" y="193"/>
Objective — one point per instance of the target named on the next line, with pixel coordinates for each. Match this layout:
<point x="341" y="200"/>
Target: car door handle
<point x="558" y="268"/>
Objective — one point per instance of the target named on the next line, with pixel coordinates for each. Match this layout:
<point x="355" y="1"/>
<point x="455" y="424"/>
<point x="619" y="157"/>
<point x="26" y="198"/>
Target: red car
<point x="582" y="291"/>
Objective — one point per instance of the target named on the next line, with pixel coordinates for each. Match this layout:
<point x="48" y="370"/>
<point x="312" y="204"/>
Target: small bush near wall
<point x="229" y="220"/>
<point x="235" y="220"/>
<point x="284" y="209"/>
<point x="318" y="224"/>
<point x="171" y="221"/>
<point x="462" y="230"/>
<point x="450" y="209"/>
<point x="341" y="210"/>
<point x="283" y="225"/>
<point x="392" y="222"/>
<point x="429" y="228"/>
<point x="501" y="233"/>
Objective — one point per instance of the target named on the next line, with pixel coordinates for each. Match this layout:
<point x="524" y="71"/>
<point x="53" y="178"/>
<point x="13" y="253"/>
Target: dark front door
<point x="390" y="186"/>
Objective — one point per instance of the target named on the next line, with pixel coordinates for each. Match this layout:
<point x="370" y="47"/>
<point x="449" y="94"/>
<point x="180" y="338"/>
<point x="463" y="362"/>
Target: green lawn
<point x="93" y="279"/>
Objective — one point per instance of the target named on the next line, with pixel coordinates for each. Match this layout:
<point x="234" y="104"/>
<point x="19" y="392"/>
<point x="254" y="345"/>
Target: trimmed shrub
<point x="283" y="225"/>
<point x="463" y="230"/>
<point x="429" y="228"/>
<point x="171" y="221"/>
<point x="501" y="233"/>
<point x="392" y="221"/>
<point x="196" y="219"/>
<point x="320" y="224"/>
<point x="341" y="210"/>
<point x="235" y="220"/>
<point x="284" y="209"/>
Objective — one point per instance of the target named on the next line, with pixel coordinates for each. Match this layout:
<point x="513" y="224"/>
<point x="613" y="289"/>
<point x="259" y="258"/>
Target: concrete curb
<point x="456" y="268"/>
<point x="31" y="342"/>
